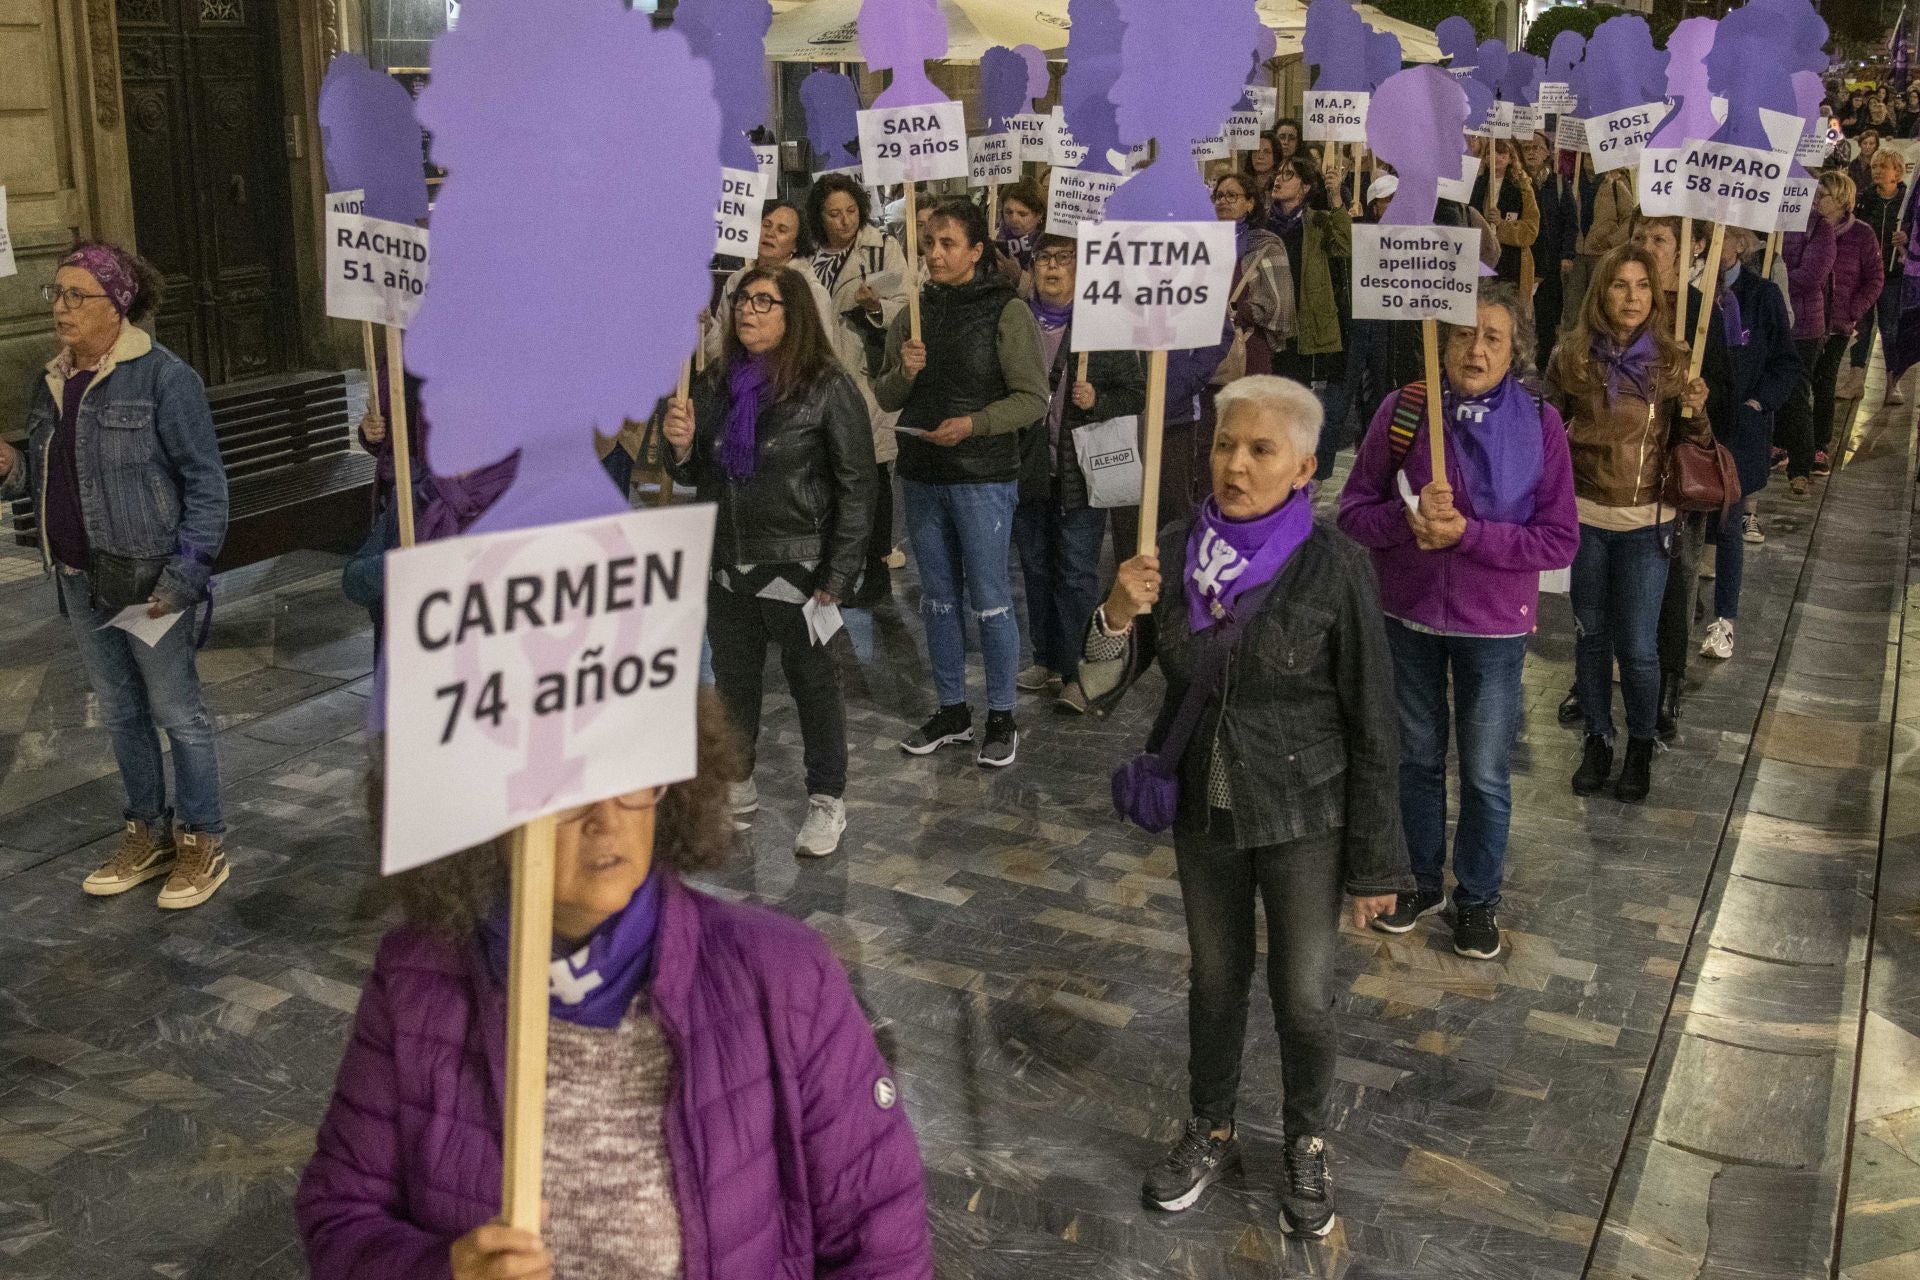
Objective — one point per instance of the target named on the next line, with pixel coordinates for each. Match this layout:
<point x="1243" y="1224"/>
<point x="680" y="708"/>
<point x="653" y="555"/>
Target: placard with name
<point x="376" y="270"/>
<point x="1796" y="203"/>
<point x="1062" y="150"/>
<point x="8" y="266"/>
<point x="766" y="158"/>
<point x="1502" y="120"/>
<point x="736" y="218"/>
<point x="1614" y="139"/>
<point x="1029" y="130"/>
<point x="1415" y="273"/>
<point x="1556" y="97"/>
<point x="354" y="201"/>
<point x="1243" y="130"/>
<point x="1266" y="102"/>
<point x="1214" y="148"/>
<point x="1713" y="182"/>
<point x="1334" y="115"/>
<point x="1075" y="196"/>
<point x="991" y="159"/>
<point x="538" y="669"/>
<point x="913" y="144"/>
<point x="1569" y="133"/>
<point x="1152" y="286"/>
<point x="1460" y="189"/>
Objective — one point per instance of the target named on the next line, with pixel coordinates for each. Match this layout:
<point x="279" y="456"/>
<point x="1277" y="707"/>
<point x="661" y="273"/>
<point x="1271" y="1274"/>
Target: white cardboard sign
<point x="1334" y="115"/>
<point x="1796" y="203"/>
<point x="1528" y="119"/>
<point x="1614" y="139"/>
<point x="913" y="144"/>
<point x="1075" y="196"/>
<point x="354" y="201"/>
<point x="766" y="158"/>
<point x="1266" y="102"/>
<point x="1569" y="133"/>
<point x="1713" y="182"/>
<point x="1029" y="131"/>
<point x="991" y="158"/>
<point x="736" y="218"/>
<point x="1152" y="286"/>
<point x="1460" y="190"/>
<point x="376" y="270"/>
<point x="1243" y="130"/>
<point x="1062" y="150"/>
<point x="1502" y="125"/>
<point x="1556" y="98"/>
<point x="539" y="669"/>
<point x="1415" y="273"/>
<point x="8" y="267"/>
<point x="1213" y="148"/>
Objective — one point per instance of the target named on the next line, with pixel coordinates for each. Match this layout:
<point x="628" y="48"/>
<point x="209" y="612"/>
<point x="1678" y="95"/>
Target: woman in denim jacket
<point x="125" y="474"/>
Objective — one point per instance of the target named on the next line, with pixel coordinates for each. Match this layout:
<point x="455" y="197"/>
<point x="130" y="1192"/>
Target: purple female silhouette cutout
<point x="1479" y="100"/>
<point x="1265" y="46"/>
<point x="1335" y="41"/>
<point x="1093" y="64"/>
<point x="1457" y="40"/>
<point x="1490" y="66"/>
<point x="1622" y="68"/>
<point x="731" y="36"/>
<point x="1692" y="114"/>
<point x="1383" y="57"/>
<point x="832" y="104"/>
<point x="1178" y="81"/>
<point x="1758" y="49"/>
<point x="1003" y="87"/>
<point x="902" y="36"/>
<point x="1416" y="124"/>
<point x="1039" y="78"/>
<point x="371" y="140"/>
<point x="1563" y="61"/>
<point x="539" y="218"/>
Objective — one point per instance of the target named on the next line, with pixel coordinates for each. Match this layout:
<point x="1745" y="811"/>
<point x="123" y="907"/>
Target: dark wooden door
<point x="210" y="206"/>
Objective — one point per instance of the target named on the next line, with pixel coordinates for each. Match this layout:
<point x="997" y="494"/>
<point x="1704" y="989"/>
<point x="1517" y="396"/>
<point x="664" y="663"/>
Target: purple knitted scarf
<point x="749" y="390"/>
<point x="1227" y="558"/>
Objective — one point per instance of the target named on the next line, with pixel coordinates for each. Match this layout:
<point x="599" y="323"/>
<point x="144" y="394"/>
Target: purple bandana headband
<point x="112" y="268"/>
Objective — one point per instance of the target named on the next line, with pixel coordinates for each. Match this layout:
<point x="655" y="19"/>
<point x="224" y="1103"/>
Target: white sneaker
<point x="1719" y="641"/>
<point x="743" y="798"/>
<point x="1750" y="526"/>
<point x="820" y="833"/>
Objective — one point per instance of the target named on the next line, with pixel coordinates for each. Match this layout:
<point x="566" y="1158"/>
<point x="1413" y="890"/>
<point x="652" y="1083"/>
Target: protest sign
<point x="370" y="140"/>
<point x="1152" y="286"/>
<point x="1266" y="104"/>
<point x="736" y="218"/>
<point x="991" y="159"/>
<point x="1796" y="203"/>
<point x="1212" y="147"/>
<point x="346" y="202"/>
<point x="1415" y="273"/>
<point x="536" y="669"/>
<point x="1243" y="131"/>
<point x="1555" y="98"/>
<point x="1093" y="63"/>
<point x="832" y="107"/>
<point x="1075" y="196"/>
<point x="1062" y="150"/>
<point x="1030" y="136"/>
<point x="1713" y="182"/>
<point x="376" y="270"/>
<point x="917" y="143"/>
<point x="1337" y="115"/>
<point x="1460" y="189"/>
<point x="8" y="267"/>
<point x="1615" y="138"/>
<point x="1502" y="123"/>
<point x="766" y="159"/>
<point x="1570" y="133"/>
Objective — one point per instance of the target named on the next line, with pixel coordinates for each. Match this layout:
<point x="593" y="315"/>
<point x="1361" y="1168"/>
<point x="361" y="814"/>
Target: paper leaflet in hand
<point x="135" y="621"/>
<point x="823" y="620"/>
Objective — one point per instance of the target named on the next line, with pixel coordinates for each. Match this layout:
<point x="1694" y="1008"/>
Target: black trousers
<point x="876" y="584"/>
<point x="739" y="628"/>
<point x="1805" y="423"/>
<point x="1683" y="589"/>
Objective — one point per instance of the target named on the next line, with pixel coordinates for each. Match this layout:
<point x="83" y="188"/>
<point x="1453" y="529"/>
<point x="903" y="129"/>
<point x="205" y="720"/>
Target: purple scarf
<point x="1227" y="558"/>
<point x="1048" y="314"/>
<point x="1732" y="323"/>
<point x="594" y="985"/>
<point x="1283" y="223"/>
<point x="749" y="388"/>
<point x="1496" y="437"/>
<point x="1631" y="363"/>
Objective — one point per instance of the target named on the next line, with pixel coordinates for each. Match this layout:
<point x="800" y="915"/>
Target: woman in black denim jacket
<point x="1288" y="787"/>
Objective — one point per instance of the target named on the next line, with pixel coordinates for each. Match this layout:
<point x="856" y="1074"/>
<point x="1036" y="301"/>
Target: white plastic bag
<point x="1109" y="455"/>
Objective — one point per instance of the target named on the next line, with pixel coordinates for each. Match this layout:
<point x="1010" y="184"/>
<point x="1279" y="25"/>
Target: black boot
<point x="1596" y="763"/>
<point x="1571" y="712"/>
<point x="1668" y="723"/>
<point x="1636" y="773"/>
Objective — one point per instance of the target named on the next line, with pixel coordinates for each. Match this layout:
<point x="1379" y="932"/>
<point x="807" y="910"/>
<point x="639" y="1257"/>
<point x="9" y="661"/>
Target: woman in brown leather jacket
<point x="1620" y="381"/>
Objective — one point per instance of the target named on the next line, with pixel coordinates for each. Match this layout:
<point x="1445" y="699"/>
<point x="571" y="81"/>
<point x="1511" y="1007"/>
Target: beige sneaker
<point x="201" y="870"/>
<point x="144" y="855"/>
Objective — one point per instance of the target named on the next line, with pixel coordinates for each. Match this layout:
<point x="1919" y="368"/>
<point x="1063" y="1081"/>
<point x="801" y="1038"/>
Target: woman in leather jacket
<point x="778" y="435"/>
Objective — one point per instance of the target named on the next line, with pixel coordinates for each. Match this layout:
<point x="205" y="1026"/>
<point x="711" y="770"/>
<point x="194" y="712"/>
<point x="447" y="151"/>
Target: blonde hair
<point x="1841" y="188"/>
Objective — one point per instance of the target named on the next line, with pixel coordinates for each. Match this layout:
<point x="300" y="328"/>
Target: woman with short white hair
<point x="1274" y="758"/>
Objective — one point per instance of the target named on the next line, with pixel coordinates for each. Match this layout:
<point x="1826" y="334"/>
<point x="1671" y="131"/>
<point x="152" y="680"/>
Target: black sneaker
<point x="1407" y="910"/>
<point x="1596" y="763"/>
<point x="949" y="725"/>
<point x="1476" y="932"/>
<point x="1195" y="1163"/>
<point x="1636" y="771"/>
<point x="1306" y="1208"/>
<point x="1002" y="740"/>
<point x="1571" y="712"/>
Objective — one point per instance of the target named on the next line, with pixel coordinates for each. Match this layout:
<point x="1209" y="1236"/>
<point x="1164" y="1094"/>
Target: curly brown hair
<point x="693" y="830"/>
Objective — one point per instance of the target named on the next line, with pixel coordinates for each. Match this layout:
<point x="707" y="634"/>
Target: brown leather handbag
<point x="1700" y="477"/>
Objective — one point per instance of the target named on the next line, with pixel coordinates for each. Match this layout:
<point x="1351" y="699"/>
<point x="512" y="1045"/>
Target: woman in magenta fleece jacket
<point x="1460" y="585"/>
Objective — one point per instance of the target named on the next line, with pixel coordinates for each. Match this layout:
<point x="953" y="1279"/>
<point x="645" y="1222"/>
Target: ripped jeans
<point x="961" y="534"/>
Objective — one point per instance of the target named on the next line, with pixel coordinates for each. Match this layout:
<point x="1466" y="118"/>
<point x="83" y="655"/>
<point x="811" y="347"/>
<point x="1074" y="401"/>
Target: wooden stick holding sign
<point x="1153" y="426"/>
<point x="1766" y="262"/>
<point x="1682" y="269"/>
<point x="1080" y="373"/>
<point x="397" y="426"/>
<point x="530" y="956"/>
<point x="373" y="368"/>
<point x="913" y="265"/>
<point x="1354" y="150"/>
<point x="993" y="207"/>
<point x="1436" y="431"/>
<point x="1706" y="308"/>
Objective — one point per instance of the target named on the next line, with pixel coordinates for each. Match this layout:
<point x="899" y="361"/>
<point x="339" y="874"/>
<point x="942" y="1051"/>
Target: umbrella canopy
<point x="1288" y="18"/>
<point x="828" y="30"/>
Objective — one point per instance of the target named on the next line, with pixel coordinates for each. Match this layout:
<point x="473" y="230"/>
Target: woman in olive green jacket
<point x="1315" y="236"/>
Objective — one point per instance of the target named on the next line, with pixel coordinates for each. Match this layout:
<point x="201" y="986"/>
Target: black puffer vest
<point x="961" y="326"/>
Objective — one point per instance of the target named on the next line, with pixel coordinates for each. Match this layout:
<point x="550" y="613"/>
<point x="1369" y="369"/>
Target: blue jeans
<point x="1730" y="562"/>
<point x="1618" y="582"/>
<point x="962" y="535"/>
<point x="1487" y="701"/>
<point x="1060" y="564"/>
<point x="141" y="689"/>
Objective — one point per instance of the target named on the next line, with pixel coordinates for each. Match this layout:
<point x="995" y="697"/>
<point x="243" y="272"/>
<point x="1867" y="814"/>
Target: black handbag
<point x="119" y="581"/>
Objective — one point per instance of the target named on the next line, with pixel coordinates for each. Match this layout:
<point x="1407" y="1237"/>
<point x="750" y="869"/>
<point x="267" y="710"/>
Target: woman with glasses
<point x="1314" y="234"/>
<point x="124" y="470"/>
<point x="1262" y="292"/>
<point x="715" y="1104"/>
<point x="778" y="435"/>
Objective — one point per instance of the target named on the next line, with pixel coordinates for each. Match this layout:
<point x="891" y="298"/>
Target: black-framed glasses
<point x="632" y="802"/>
<point x="1054" y="258"/>
<point x="758" y="303"/>
<point x="71" y="299"/>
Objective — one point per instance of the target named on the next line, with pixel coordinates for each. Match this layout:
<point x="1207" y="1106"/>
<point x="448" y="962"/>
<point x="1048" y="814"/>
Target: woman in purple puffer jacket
<point x="716" y="1106"/>
<point x="1858" y="273"/>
